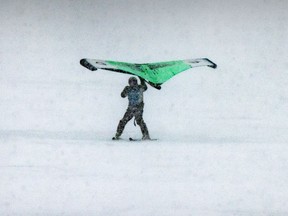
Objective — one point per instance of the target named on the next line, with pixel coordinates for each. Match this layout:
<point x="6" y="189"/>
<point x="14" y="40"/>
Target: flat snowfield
<point x="201" y="165"/>
<point x="46" y="175"/>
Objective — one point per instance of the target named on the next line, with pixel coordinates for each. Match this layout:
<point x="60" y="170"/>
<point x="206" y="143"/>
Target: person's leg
<point x="122" y="123"/>
<point x="140" y="121"/>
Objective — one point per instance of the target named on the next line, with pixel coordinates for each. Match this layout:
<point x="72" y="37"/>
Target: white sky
<point x="51" y="36"/>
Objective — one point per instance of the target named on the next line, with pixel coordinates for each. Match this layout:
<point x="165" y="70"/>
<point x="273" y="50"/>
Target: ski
<point x="121" y="139"/>
<point x="133" y="139"/>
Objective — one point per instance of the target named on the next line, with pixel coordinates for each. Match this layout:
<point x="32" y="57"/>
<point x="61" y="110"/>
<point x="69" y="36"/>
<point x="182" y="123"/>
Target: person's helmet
<point x="132" y="81"/>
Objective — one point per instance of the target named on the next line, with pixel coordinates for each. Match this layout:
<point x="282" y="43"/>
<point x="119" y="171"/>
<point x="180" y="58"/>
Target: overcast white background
<point x="222" y="133"/>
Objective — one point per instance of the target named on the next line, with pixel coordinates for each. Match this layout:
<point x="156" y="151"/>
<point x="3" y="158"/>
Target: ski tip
<point x="115" y="138"/>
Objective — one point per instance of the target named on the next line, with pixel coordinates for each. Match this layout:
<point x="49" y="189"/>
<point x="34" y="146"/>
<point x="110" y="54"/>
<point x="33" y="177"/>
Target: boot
<point x="117" y="136"/>
<point x="144" y="130"/>
<point x="146" y="137"/>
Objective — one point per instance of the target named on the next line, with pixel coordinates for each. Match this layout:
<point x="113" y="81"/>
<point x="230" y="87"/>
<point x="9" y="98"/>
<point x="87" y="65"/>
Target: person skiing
<point x="135" y="107"/>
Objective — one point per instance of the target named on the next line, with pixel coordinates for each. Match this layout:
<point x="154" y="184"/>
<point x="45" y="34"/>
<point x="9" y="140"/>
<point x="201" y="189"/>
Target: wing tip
<point x="86" y="64"/>
<point x="213" y="65"/>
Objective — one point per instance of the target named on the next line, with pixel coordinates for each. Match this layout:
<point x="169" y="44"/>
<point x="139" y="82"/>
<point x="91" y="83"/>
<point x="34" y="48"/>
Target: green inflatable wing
<point x="154" y="73"/>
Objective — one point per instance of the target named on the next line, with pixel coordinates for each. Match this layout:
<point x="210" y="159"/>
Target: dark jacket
<point x="135" y="93"/>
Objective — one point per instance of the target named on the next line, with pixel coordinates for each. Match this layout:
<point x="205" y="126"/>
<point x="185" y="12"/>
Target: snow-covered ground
<point x="222" y="134"/>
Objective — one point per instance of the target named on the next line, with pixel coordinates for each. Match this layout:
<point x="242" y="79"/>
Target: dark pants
<point x="131" y="112"/>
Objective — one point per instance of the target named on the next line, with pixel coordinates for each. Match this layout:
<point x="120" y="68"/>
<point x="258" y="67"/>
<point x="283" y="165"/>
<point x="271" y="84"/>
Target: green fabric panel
<point x="157" y="73"/>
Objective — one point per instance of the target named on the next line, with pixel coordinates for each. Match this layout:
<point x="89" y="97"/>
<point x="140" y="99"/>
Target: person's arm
<point x="143" y="83"/>
<point x="124" y="93"/>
